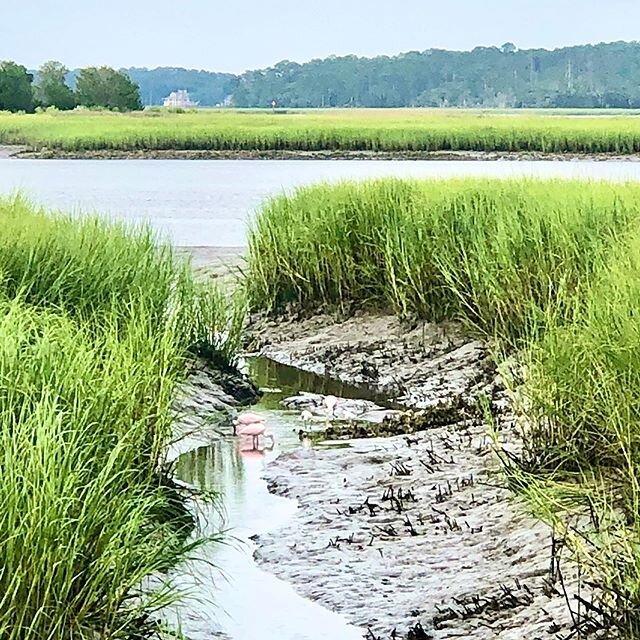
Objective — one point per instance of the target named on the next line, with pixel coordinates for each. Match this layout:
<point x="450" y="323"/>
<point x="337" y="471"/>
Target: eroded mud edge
<point x="270" y="154"/>
<point x="416" y="534"/>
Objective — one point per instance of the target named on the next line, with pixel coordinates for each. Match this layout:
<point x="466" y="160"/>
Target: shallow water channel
<point x="233" y="597"/>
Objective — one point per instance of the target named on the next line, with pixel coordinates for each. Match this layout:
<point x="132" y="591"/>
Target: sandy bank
<point x="217" y="261"/>
<point x="10" y="151"/>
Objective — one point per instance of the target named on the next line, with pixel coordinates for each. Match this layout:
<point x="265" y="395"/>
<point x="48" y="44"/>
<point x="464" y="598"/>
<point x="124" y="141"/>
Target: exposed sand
<point x="221" y="263"/>
<point x="10" y="151"/>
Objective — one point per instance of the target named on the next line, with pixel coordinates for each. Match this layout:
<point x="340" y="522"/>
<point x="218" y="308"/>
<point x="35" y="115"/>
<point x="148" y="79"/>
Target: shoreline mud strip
<point x="413" y="536"/>
<point x="22" y="152"/>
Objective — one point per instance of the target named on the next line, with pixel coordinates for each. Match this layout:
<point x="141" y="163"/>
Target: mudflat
<point x="215" y="262"/>
<point x="413" y="533"/>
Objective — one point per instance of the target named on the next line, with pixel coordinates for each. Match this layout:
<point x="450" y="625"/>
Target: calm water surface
<point x="234" y="596"/>
<point x="209" y="202"/>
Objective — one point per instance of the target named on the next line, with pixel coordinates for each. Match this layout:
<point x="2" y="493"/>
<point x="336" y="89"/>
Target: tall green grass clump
<point x="581" y="400"/>
<point x="584" y="376"/>
<point x="96" y="324"/>
<point x="96" y="271"/>
<point x="498" y="254"/>
<point x="410" y="131"/>
<point x="549" y="271"/>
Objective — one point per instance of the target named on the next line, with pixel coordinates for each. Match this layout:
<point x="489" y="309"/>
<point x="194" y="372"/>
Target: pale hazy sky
<point x="235" y="35"/>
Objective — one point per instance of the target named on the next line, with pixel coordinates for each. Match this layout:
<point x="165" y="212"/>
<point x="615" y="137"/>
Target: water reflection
<point x="217" y="468"/>
<point x="289" y="381"/>
<point x="234" y="469"/>
<point x="207" y="203"/>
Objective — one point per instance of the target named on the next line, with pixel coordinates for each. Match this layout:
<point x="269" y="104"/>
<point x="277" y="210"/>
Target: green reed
<point x="493" y="253"/>
<point x="96" y="324"/>
<point x="369" y="130"/>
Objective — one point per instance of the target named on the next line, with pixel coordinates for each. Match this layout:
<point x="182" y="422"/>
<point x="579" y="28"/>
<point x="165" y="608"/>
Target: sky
<point x="236" y="35"/>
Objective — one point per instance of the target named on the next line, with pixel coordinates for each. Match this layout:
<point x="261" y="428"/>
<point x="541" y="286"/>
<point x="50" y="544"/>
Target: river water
<point x="209" y="202"/>
<point x="231" y="597"/>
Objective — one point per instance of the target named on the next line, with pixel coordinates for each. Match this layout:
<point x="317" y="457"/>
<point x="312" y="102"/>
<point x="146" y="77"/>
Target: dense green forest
<point x="206" y="87"/>
<point x="93" y="87"/>
<point x="603" y="75"/>
<point x="589" y="76"/>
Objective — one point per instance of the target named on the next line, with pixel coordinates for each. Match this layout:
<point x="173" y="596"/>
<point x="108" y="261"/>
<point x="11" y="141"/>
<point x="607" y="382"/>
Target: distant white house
<point x="179" y="98"/>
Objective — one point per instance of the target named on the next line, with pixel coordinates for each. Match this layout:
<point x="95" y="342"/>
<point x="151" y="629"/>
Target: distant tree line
<point x="589" y="76"/>
<point x="602" y="75"/>
<point x="21" y="90"/>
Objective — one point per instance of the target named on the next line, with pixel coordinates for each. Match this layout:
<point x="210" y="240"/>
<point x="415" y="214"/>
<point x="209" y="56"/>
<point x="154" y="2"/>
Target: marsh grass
<point x="544" y="270"/>
<point x="501" y="255"/>
<point x="96" y="322"/>
<point x="369" y="130"/>
<point x="582" y="392"/>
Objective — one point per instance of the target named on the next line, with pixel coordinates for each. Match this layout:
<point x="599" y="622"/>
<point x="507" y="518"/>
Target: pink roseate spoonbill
<point x="249" y="451"/>
<point x="254" y="430"/>
<point x="246" y="418"/>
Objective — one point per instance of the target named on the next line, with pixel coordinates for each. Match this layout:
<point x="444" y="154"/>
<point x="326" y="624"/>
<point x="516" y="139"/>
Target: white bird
<point x="307" y="418"/>
<point x="330" y="403"/>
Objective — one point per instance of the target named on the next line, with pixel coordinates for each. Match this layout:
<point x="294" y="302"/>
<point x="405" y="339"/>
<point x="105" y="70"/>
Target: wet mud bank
<point x="417" y="367"/>
<point x="11" y="151"/>
<point x="413" y="535"/>
<point x="269" y="154"/>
